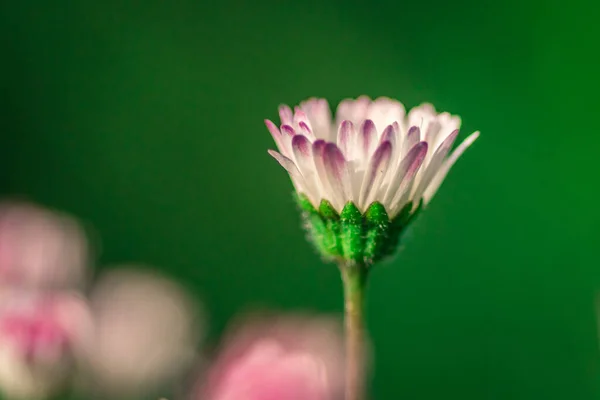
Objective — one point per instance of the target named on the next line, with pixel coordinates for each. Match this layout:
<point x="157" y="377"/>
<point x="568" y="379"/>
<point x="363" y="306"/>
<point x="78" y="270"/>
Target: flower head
<point x="286" y="357"/>
<point x="38" y="334"/>
<point x="40" y="249"/>
<point x="374" y="158"/>
<point x="145" y="333"/>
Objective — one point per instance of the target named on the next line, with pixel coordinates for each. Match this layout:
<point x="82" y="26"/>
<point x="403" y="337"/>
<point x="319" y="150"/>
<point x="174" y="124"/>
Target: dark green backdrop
<point x="145" y="119"/>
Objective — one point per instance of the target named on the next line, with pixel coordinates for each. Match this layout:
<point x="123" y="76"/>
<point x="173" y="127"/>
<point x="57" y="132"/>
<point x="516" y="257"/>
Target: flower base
<point x="354" y="236"/>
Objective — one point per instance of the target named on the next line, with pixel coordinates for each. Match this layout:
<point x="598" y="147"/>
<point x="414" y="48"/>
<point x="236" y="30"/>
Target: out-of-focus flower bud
<point x="145" y="334"/>
<point x="285" y="357"/>
<point x="40" y="249"/>
<point x="37" y="337"/>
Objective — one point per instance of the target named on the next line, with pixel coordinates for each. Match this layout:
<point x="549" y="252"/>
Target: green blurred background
<point x="145" y="120"/>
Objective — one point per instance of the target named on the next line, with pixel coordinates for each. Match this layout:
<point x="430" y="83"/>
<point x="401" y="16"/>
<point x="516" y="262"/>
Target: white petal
<point x="445" y="168"/>
<point x="287" y="134"/>
<point x="337" y="175"/>
<point x="303" y="157"/>
<point x="374" y="175"/>
<point x="448" y="124"/>
<point x="421" y="115"/>
<point x="375" y="151"/>
<point x="317" y="111"/>
<point x="367" y="141"/>
<point x="277" y="137"/>
<point x="286" y="115"/>
<point x="302" y="149"/>
<point x="405" y="174"/>
<point x="353" y="110"/>
<point x="432" y="131"/>
<point x="433" y="166"/>
<point x="346" y="137"/>
<point x="302" y="123"/>
<point x="318" y="149"/>
<point x="413" y="136"/>
<point x="290" y="167"/>
<point x="385" y="111"/>
<point x="300" y="116"/>
<point x="305" y="130"/>
<point x="390" y="134"/>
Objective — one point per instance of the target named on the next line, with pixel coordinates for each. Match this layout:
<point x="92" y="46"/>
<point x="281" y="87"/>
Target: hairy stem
<point x="354" y="280"/>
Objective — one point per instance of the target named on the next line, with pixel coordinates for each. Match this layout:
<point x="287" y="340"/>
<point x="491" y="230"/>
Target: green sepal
<point x="332" y="222"/>
<point x="352" y="232"/>
<point x="353" y="236"/>
<point x="305" y="204"/>
<point x="377" y="232"/>
<point x="320" y="230"/>
<point x="327" y="211"/>
<point x="321" y="236"/>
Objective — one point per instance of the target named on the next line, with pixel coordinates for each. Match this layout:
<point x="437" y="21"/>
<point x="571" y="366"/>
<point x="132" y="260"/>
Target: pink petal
<point x="317" y="111"/>
<point x="374" y="174"/>
<point x="434" y="165"/>
<point x="447" y="164"/>
<point x="281" y="358"/>
<point x="301" y="120"/>
<point x="40" y="249"/>
<point x="318" y="149"/>
<point x="390" y="134"/>
<point x="302" y="150"/>
<point x="145" y="333"/>
<point x="406" y="171"/>
<point x="287" y="129"/>
<point x="287" y="134"/>
<point x="300" y="116"/>
<point x="353" y="110"/>
<point x="275" y="133"/>
<point x="286" y="115"/>
<point x="286" y="163"/>
<point x="421" y="115"/>
<point x="385" y="111"/>
<point x="345" y="137"/>
<point x="318" y="146"/>
<point x="337" y="173"/>
<point x="305" y="129"/>
<point x="302" y="145"/>
<point x="413" y="136"/>
<point x="433" y="130"/>
<point x="367" y="139"/>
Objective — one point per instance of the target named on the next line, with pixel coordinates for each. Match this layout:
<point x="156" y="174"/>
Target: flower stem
<point x="354" y="278"/>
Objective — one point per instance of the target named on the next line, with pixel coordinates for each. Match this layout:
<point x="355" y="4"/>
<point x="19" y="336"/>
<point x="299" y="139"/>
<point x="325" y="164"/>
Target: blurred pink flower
<point x="40" y="249"/>
<point x="285" y="357"/>
<point x="38" y="334"/>
<point x="145" y="333"/>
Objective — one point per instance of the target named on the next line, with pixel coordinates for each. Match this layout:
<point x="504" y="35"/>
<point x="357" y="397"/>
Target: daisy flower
<point x="362" y="176"/>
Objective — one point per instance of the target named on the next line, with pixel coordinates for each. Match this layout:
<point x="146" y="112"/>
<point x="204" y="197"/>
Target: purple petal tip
<point x="368" y="125"/>
<point x="288" y="129"/>
<point x="318" y="146"/>
<point x="383" y="151"/>
<point x="413" y="129"/>
<point x="303" y="125"/>
<point x="332" y="150"/>
<point x="421" y="148"/>
<point x="301" y="143"/>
